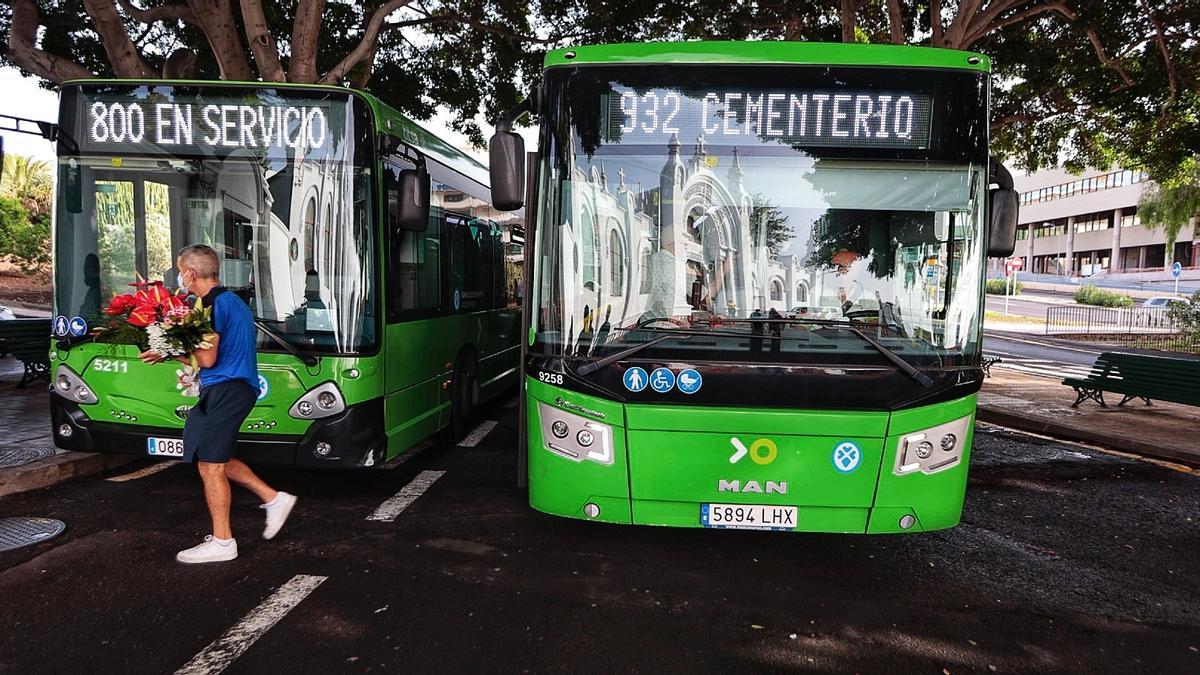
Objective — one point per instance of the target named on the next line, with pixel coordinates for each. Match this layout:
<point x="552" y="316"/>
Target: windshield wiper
<point x="592" y="366"/>
<point x="308" y="359"/>
<point x="890" y="355"/>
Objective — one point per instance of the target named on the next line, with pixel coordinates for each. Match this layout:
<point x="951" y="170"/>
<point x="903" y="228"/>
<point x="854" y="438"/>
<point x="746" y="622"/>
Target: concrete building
<point x="1088" y="224"/>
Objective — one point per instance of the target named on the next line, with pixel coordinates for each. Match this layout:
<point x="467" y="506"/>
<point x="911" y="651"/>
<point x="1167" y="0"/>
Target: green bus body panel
<point x="138" y="395"/>
<point x="768" y="53"/>
<point x="668" y="460"/>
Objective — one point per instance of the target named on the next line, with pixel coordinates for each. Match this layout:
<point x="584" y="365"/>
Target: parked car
<point x="1162" y="301"/>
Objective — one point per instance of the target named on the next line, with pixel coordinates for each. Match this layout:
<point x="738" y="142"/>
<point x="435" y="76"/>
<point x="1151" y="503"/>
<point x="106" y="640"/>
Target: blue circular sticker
<point x="846" y="456"/>
<point x="61" y="326"/>
<point x="662" y="380"/>
<point x="78" y="327"/>
<point x="457" y="299"/>
<point x="635" y="379"/>
<point x="690" y="381"/>
<point x="264" y="387"/>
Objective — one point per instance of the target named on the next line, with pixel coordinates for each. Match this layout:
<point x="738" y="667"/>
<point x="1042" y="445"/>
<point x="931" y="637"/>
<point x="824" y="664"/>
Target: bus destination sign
<point x="814" y="118"/>
<point x="274" y="126"/>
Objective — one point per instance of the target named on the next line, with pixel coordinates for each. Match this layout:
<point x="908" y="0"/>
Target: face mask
<point x="179" y="281"/>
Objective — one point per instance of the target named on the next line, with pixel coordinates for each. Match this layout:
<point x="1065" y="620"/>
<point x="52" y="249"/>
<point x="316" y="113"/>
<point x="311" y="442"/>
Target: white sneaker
<point x="210" y="551"/>
<point x="277" y="513"/>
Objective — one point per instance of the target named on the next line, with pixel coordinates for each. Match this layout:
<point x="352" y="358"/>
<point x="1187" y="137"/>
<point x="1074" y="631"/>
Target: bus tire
<point x="462" y="396"/>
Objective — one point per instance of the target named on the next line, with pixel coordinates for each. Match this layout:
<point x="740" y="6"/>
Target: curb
<point x="60" y="468"/>
<point x="1005" y="418"/>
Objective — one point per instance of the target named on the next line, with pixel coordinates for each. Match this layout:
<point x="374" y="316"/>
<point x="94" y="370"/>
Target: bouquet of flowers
<point x="158" y="320"/>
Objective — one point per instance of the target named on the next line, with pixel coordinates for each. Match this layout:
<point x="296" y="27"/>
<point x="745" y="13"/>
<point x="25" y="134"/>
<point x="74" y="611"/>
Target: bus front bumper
<point x="353" y="439"/>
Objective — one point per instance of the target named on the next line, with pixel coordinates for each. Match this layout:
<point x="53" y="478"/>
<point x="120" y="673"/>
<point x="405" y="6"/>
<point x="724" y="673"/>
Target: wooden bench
<point x="28" y="341"/>
<point x="1133" y="376"/>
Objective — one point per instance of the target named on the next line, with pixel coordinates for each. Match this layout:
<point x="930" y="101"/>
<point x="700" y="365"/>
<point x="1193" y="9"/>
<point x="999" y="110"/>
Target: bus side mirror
<point x="412" y="212"/>
<point x="506" y="159"/>
<point x="1005" y="210"/>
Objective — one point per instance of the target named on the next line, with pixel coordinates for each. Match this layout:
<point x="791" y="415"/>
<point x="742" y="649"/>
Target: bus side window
<point x="414" y="260"/>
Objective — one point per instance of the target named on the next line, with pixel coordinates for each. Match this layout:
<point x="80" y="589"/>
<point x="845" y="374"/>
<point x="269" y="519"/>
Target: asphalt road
<point x="1042" y="355"/>
<point x="1018" y="306"/>
<point x="1068" y="560"/>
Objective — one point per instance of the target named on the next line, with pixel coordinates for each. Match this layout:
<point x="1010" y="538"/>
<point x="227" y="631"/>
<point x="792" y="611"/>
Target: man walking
<point x="228" y="391"/>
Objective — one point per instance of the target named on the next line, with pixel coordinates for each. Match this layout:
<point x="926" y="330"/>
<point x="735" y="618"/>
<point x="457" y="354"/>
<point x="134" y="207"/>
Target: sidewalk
<point x="25" y="425"/>
<point x="1043" y="405"/>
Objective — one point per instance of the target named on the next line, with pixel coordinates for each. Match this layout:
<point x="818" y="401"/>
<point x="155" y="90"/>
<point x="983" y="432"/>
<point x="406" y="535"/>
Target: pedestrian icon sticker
<point x="635" y="379"/>
<point x="61" y="327"/>
<point x="690" y="381"/>
<point x="662" y="380"/>
<point x="846" y="456"/>
<point x="78" y="327"/>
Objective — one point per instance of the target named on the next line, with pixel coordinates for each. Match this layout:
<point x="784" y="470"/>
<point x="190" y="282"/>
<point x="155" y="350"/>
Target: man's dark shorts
<point x="211" y="430"/>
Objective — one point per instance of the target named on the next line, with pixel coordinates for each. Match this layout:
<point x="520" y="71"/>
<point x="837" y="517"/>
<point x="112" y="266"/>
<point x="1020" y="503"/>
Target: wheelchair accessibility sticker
<point x="846" y="456"/>
<point x="662" y="380"/>
<point x="264" y="387"/>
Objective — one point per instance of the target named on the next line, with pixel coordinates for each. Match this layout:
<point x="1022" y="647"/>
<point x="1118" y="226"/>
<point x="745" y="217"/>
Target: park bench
<point x="28" y="341"/>
<point x="988" y="362"/>
<point x="1133" y="376"/>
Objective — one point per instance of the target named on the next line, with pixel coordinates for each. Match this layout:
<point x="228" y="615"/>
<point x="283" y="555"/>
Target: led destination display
<point x="819" y="117"/>
<point x="204" y="124"/>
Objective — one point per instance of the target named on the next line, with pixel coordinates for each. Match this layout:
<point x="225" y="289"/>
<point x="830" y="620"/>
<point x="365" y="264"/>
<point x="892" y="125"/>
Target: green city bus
<point x="385" y="287"/>
<point x="756" y="282"/>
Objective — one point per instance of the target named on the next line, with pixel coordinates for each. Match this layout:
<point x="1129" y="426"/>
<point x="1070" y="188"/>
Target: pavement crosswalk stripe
<point x="1045" y="372"/>
<point x="395" y="505"/>
<point x="144" y="471"/>
<point x="217" y="656"/>
<point x="412" y="452"/>
<point x="477" y="434"/>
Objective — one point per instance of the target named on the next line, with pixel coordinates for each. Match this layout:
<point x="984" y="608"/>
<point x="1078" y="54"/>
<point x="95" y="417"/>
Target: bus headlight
<point x="592" y="441"/>
<point x="324" y="400"/>
<point x="915" y="451"/>
<point x="71" y="386"/>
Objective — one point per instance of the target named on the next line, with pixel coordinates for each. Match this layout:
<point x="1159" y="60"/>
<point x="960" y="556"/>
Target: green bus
<point x="385" y="287"/>
<point x="756" y="282"/>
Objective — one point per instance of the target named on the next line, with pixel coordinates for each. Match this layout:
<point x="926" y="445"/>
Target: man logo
<point x="771" y="487"/>
<point x="182" y="411"/>
<point x="762" y="451"/>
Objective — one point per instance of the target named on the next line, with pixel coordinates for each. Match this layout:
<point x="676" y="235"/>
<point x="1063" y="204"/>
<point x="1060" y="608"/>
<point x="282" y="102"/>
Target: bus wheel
<point x="462" y="394"/>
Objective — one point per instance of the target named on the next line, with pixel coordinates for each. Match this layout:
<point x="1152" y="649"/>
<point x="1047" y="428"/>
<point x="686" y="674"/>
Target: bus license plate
<point x="165" y="447"/>
<point x="748" y="516"/>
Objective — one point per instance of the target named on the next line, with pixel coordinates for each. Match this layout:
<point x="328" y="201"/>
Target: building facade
<point x="1081" y="225"/>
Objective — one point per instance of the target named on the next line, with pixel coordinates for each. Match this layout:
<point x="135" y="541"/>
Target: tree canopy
<point x="1086" y="82"/>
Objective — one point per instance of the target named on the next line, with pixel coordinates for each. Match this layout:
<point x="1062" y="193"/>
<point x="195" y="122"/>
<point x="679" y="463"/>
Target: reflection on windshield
<point x="704" y="235"/>
<point x="291" y="228"/>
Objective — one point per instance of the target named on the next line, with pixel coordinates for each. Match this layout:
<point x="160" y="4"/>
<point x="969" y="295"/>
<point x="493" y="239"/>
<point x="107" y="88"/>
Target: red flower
<point x="142" y="316"/>
<point x="120" y="304"/>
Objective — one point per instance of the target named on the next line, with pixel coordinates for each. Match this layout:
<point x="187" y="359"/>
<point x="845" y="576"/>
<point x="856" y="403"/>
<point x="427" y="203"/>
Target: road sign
<point x="1176" y="269"/>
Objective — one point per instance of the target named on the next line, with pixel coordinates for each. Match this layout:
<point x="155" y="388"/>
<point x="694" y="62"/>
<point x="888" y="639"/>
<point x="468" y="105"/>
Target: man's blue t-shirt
<point x="236" y="355"/>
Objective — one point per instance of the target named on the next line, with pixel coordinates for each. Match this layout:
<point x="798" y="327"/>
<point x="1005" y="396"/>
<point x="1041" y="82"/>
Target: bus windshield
<point x="710" y="204"/>
<point x="276" y="180"/>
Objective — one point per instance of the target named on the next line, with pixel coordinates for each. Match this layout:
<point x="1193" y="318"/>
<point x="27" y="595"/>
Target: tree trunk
<point x="215" y="19"/>
<point x="123" y="55"/>
<point x="262" y="43"/>
<point x="956" y="34"/>
<point x="367" y="45"/>
<point x="306" y="32"/>
<point x="23" y="52"/>
<point x="849" y="12"/>
<point x="935" y="22"/>
<point x="895" y="22"/>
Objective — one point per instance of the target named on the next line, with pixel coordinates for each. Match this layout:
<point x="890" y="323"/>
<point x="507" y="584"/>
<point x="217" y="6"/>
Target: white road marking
<point x="144" y="471"/>
<point x="390" y="509"/>
<point x="224" y="650"/>
<point x="412" y="452"/>
<point x="477" y="435"/>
